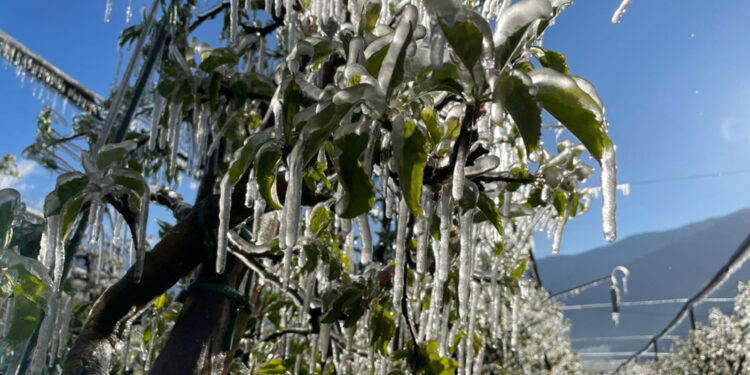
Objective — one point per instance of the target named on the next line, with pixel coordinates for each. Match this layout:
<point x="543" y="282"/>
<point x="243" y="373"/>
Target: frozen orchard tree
<point x="418" y="121"/>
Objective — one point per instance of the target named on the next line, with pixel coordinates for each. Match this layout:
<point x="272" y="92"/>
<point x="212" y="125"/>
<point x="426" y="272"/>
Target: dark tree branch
<point x="181" y="250"/>
<point x="162" y="196"/>
<point x="296" y="331"/>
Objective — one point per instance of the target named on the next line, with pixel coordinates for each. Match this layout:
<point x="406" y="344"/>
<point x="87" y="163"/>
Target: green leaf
<point x="519" y="270"/>
<point x="10" y="201"/>
<point x="272" y="367"/>
<point x="266" y="161"/>
<point x="410" y="152"/>
<point x="382" y="328"/>
<point x="359" y="196"/>
<point x="465" y="39"/>
<point x="25" y="318"/>
<point x="290" y="104"/>
<point x="159" y="302"/>
<point x="370" y="16"/>
<point x="491" y="211"/>
<point x="246" y="154"/>
<point x="320" y="126"/>
<point x="113" y="153"/>
<point x="513" y="91"/>
<point x="553" y="60"/>
<point x="375" y="61"/>
<point x="429" y="116"/>
<point x="216" y="58"/>
<point x="576" y="109"/>
<point x="321" y="219"/>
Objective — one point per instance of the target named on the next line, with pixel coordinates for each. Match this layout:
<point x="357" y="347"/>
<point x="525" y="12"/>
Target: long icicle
<point x="225" y="207"/>
<point x="400" y="258"/>
<point x="465" y="260"/>
<point x="140" y="253"/>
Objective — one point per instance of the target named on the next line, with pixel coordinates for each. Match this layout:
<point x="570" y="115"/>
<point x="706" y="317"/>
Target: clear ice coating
<point x="620" y="11"/>
<point x="225" y="208"/>
<point x="609" y="190"/>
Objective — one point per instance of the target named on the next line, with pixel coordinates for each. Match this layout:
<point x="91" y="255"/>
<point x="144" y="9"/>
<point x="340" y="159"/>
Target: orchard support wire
<point x="733" y="264"/>
<point x="42" y="70"/>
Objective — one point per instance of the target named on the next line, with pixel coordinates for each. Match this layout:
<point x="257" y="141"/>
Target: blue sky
<point x="674" y="77"/>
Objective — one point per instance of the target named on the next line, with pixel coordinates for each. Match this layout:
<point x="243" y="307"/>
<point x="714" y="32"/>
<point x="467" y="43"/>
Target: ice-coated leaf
<point x="410" y="152"/>
<point x="10" y="200"/>
<point x="372" y="96"/>
<point x="70" y="212"/>
<point x="246" y="154"/>
<point x="68" y="185"/>
<point x="129" y="179"/>
<point x="370" y="15"/>
<point x="24" y="320"/>
<point x="512" y="23"/>
<point x="320" y="126"/>
<point x="520" y="269"/>
<point x="392" y="69"/>
<point x="429" y="116"/>
<point x="573" y="107"/>
<point x="113" y="153"/>
<point x="491" y="211"/>
<point x="359" y="195"/>
<point x="465" y="39"/>
<point x="553" y="60"/>
<point x="266" y="163"/>
<point x="516" y="93"/>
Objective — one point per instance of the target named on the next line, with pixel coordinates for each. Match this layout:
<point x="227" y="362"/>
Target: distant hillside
<point x="663" y="265"/>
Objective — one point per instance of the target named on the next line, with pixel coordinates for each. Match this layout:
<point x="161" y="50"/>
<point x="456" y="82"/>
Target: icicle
<point x="465" y="260"/>
<point x="437" y="51"/>
<point x="129" y="12"/>
<point x="324" y="339"/>
<point x="64" y="328"/>
<point x="225" y="208"/>
<point x="233" y="20"/>
<point x="346" y="227"/>
<point x="201" y="136"/>
<point x="474" y="303"/>
<point x="56" y="248"/>
<point x="609" y="189"/>
<point x="107" y="11"/>
<point x="39" y="359"/>
<point x="514" y="307"/>
<point x="174" y="147"/>
<point x="155" y="117"/>
<point x="428" y="201"/>
<point x="140" y="238"/>
<point x="445" y="210"/>
<point x="400" y="258"/>
<point x="617" y="16"/>
<point x="261" y="52"/>
<point x="363" y="223"/>
<point x="458" y="171"/>
<point x="293" y="200"/>
<point x="96" y="219"/>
